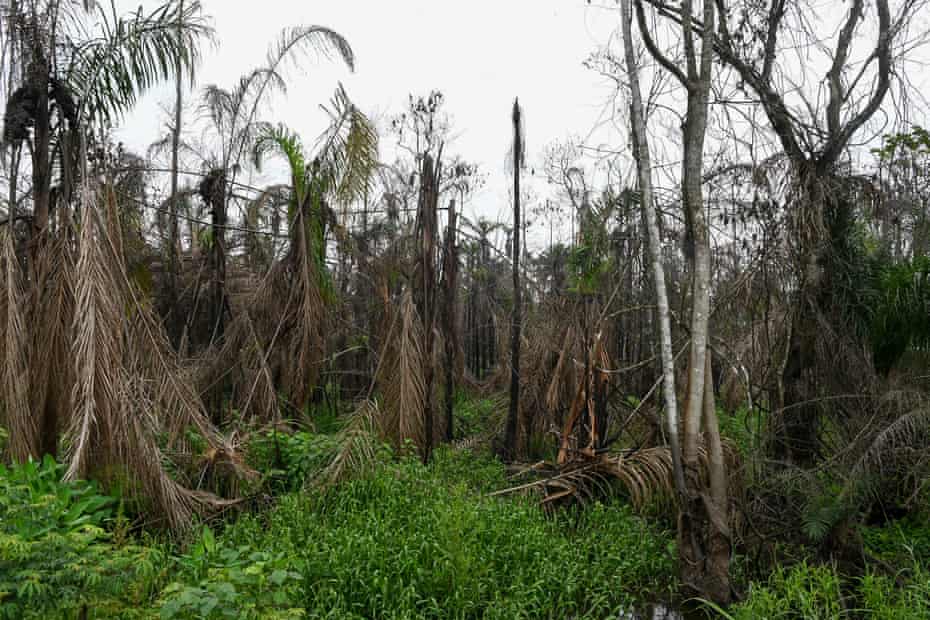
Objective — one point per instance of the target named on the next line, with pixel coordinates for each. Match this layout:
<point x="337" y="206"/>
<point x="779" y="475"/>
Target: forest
<point x="254" y="373"/>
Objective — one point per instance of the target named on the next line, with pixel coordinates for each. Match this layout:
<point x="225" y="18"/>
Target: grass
<point x="404" y="541"/>
<point x="424" y="542"/>
<point x="400" y="540"/>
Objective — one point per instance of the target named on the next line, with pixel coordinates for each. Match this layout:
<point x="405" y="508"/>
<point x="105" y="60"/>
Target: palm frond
<point x="51" y="361"/>
<point x="129" y="391"/>
<point x="350" y="152"/>
<point x="400" y="377"/>
<point x="358" y="447"/>
<point x="279" y="139"/>
<point x="305" y="40"/>
<point x="16" y="414"/>
<point x="98" y="351"/>
<point x="133" y="53"/>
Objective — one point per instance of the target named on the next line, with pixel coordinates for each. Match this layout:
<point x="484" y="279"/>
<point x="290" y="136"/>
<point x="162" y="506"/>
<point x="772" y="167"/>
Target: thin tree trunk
<point x="510" y="434"/>
<point x="703" y="561"/>
<point x="450" y="316"/>
<point x="173" y="241"/>
<point x="644" y="166"/>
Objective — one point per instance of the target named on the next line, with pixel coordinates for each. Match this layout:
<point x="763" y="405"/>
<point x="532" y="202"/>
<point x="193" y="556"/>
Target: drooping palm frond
<point x="130" y="391"/>
<point x="358" y="447"/>
<point x="303" y="41"/>
<point x="903" y="436"/>
<point x="99" y="392"/>
<point x="400" y="376"/>
<point x="245" y="357"/>
<point x="133" y="53"/>
<point x="51" y="362"/>
<point x="349" y="156"/>
<point x="16" y="414"/>
<point x="279" y="139"/>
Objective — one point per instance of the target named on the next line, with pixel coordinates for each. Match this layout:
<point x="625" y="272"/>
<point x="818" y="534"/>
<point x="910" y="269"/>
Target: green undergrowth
<point x="821" y="592"/>
<point x="399" y="539"/>
<point x="403" y="541"/>
<point x="427" y="542"/>
<point x="64" y="550"/>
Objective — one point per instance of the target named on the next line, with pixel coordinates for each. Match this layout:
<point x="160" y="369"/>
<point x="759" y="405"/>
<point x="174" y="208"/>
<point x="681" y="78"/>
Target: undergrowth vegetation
<point x="401" y="539"/>
<point x="405" y="540"/>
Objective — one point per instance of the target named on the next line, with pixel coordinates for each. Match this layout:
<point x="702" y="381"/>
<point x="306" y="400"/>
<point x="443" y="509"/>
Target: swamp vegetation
<point x="345" y="393"/>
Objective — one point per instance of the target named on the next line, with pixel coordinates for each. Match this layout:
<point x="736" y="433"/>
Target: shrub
<point x="231" y="583"/>
<point x="287" y="461"/>
<point x="55" y="556"/>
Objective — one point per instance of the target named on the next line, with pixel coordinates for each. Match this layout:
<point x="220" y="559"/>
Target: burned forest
<point x="550" y="309"/>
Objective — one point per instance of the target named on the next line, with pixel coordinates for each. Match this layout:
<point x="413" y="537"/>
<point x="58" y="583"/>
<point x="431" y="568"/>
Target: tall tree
<point x="516" y="321"/>
<point x="704" y="544"/>
<point x="643" y="158"/>
<point x="814" y="129"/>
<point x="173" y="235"/>
<point x="75" y="84"/>
<point x="450" y="322"/>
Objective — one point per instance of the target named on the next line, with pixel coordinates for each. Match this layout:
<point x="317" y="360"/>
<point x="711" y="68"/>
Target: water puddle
<point x="652" y="612"/>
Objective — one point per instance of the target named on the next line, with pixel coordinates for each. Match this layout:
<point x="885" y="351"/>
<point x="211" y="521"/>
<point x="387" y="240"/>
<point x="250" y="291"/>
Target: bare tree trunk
<point x="703" y="560"/>
<point x="510" y="433"/>
<point x="173" y="240"/>
<point x="450" y="273"/>
<point x="644" y="166"/>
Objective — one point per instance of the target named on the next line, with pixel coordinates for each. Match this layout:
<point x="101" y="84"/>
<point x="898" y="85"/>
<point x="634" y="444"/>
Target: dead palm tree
<point x="72" y="84"/>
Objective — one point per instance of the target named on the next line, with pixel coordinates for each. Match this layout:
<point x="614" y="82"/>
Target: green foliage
<point x="231" y="582"/>
<point x="802" y="591"/>
<point x="55" y="556"/>
<point x="588" y="266"/>
<point x="132" y="54"/>
<point x="473" y="416"/>
<point x="822" y="511"/>
<point x="883" y="599"/>
<point x="819" y="592"/>
<point x="287" y="461"/>
<point x="898" y="310"/>
<point x="412" y="541"/>
<point x="34" y="501"/>
<point x="901" y="542"/>
<point x="916" y="142"/>
<point x="742" y="428"/>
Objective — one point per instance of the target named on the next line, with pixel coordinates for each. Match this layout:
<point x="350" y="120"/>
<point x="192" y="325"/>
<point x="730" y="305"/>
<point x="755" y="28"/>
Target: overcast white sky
<point x="480" y="54"/>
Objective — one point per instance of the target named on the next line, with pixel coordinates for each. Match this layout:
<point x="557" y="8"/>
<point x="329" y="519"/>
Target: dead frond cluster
<point x="100" y="369"/>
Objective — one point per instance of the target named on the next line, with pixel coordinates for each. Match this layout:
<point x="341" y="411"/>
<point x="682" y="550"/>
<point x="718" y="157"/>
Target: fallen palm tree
<point x="645" y="475"/>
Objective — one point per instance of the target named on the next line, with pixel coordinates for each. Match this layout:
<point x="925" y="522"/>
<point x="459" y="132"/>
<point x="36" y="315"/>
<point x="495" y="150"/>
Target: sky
<point x="480" y="54"/>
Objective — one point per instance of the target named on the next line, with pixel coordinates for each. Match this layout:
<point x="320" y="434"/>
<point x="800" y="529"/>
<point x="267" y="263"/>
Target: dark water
<point x="652" y="612"/>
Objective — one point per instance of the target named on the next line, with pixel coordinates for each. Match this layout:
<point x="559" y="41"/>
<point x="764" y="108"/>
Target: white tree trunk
<point x="644" y="167"/>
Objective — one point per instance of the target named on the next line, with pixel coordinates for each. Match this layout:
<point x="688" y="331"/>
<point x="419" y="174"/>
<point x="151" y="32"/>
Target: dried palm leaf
<point x="17" y="415"/>
<point x="400" y="376"/>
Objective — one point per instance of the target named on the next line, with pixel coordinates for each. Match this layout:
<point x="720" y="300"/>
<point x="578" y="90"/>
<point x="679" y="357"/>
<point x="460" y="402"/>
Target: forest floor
<point x="399" y="539"/>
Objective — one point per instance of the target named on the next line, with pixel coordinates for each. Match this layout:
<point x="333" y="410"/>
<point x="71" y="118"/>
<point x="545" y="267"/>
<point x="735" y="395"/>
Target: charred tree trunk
<point x="174" y="322"/>
<point x="49" y="427"/>
<point x="425" y="285"/>
<point x="450" y="276"/>
<point x="513" y="413"/>
<point x="213" y="192"/>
